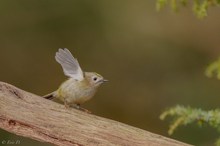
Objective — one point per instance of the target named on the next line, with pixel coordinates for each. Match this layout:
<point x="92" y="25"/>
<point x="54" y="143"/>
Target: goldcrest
<point x="80" y="87"/>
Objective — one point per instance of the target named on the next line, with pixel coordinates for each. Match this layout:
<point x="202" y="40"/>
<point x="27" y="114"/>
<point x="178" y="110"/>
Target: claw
<point x="77" y="106"/>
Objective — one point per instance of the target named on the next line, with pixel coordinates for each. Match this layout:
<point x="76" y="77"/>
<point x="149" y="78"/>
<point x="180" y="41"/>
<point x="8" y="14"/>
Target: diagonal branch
<point x="29" y="115"/>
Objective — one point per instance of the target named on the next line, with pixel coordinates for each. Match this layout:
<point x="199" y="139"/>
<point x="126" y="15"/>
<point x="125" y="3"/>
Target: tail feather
<point x="49" y="96"/>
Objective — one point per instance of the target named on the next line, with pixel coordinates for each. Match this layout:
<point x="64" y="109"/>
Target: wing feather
<point x="70" y="65"/>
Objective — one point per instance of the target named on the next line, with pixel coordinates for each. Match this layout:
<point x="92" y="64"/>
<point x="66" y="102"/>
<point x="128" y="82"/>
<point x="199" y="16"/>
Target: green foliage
<point x="199" y="8"/>
<point x="213" y="69"/>
<point x="218" y="142"/>
<point x="187" y="115"/>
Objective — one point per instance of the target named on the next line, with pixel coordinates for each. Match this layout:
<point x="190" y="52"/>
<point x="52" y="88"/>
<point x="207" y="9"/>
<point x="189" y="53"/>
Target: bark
<point x="32" y="116"/>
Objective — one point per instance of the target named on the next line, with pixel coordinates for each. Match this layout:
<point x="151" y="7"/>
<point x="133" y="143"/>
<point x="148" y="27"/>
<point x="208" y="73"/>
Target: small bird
<point x="80" y="87"/>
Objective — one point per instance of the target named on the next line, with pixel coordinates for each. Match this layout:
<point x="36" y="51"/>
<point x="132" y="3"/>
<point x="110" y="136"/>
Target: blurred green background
<point x="152" y="60"/>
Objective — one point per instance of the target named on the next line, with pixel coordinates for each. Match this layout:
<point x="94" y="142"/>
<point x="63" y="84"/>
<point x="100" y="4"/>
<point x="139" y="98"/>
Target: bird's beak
<point x="104" y="80"/>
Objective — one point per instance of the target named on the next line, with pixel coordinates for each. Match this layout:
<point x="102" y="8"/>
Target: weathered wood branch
<point x="29" y="115"/>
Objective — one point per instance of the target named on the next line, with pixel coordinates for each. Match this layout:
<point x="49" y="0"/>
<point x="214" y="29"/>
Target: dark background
<point x="152" y="60"/>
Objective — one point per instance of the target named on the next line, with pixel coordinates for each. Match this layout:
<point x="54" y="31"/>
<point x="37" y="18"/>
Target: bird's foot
<point x="77" y="106"/>
<point x="67" y="106"/>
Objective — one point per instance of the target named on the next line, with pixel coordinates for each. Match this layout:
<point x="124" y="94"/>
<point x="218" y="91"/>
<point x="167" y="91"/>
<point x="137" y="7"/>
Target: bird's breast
<point x="75" y="91"/>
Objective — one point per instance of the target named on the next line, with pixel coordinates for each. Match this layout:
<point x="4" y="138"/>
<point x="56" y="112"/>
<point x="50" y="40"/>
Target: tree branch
<point x="29" y="115"/>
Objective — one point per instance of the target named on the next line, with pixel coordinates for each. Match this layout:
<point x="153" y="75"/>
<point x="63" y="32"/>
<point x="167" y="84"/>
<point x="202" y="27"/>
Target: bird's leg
<point x="77" y="106"/>
<point x="66" y="104"/>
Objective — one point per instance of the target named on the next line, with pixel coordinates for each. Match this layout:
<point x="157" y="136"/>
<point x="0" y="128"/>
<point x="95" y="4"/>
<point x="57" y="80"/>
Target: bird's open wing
<point x="69" y="64"/>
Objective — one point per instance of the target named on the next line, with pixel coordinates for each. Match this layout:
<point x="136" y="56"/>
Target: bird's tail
<point x="49" y="96"/>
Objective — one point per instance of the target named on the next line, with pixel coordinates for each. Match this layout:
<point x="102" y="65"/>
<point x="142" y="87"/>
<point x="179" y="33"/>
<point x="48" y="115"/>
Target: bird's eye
<point x="95" y="78"/>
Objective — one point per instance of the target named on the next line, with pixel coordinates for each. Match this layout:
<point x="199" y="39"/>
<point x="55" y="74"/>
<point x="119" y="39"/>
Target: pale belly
<point x="72" y="93"/>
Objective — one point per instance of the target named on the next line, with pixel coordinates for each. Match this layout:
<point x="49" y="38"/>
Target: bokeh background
<point x="152" y="60"/>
